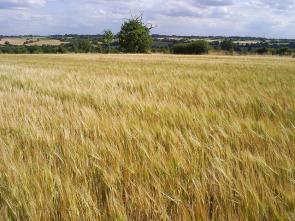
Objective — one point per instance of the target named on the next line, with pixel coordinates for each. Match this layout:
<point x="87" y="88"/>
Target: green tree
<point x="107" y="39"/>
<point x="227" y="45"/>
<point x="134" y="36"/>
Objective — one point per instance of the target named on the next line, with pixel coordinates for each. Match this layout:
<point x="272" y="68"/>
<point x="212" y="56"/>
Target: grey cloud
<point x="214" y="17"/>
<point x="15" y="4"/>
<point x="181" y="12"/>
<point x="216" y="2"/>
<point x="274" y="4"/>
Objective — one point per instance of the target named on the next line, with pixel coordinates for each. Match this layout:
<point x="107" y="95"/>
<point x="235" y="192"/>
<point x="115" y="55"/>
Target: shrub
<point x="81" y="45"/>
<point x="196" y="47"/>
<point x="284" y="51"/>
<point x="61" y="50"/>
<point x="263" y="50"/>
<point x="227" y="45"/>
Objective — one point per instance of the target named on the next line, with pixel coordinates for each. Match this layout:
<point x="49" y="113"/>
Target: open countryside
<point x="145" y="110"/>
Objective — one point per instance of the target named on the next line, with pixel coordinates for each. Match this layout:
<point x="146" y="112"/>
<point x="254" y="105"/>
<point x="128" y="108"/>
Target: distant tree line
<point x="261" y="48"/>
<point x="134" y="37"/>
<point x="77" y="46"/>
<point x="111" y="45"/>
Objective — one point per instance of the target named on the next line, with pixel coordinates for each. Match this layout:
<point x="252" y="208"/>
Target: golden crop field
<point x="35" y="41"/>
<point x="13" y="41"/>
<point x="51" y="42"/>
<point x="147" y="137"/>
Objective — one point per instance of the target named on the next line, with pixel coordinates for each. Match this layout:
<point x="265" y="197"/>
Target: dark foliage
<point x="196" y="47"/>
<point x="263" y="50"/>
<point x="227" y="45"/>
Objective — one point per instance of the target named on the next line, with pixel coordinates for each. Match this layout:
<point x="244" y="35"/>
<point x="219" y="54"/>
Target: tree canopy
<point x="134" y="36"/>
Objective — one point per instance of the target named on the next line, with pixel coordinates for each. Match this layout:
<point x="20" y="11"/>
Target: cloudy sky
<point x="264" y="18"/>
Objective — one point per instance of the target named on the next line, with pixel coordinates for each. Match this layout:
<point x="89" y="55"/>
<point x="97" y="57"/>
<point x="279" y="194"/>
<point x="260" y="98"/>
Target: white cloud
<point x="17" y="4"/>
<point x="200" y="17"/>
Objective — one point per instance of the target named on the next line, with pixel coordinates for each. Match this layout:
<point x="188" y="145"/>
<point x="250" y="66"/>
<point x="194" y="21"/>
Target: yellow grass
<point x="146" y="137"/>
